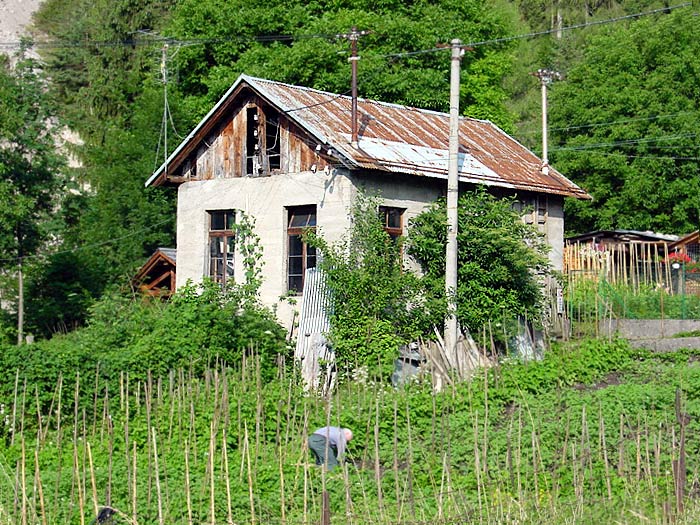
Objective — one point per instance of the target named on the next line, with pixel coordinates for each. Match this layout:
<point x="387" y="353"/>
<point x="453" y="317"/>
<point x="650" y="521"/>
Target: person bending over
<point x="328" y="444"/>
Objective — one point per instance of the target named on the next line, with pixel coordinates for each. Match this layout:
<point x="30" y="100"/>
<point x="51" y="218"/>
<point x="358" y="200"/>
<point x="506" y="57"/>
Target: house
<point x="286" y="156"/>
<point x="157" y="276"/>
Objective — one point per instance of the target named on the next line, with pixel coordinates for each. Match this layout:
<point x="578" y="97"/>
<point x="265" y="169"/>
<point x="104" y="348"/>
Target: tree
<point x="30" y="170"/>
<point x="500" y="260"/>
<point x="624" y="126"/>
<point x="375" y="303"/>
<point x="243" y="36"/>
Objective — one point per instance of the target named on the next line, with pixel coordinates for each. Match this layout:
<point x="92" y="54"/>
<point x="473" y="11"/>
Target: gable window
<point x="222" y="243"/>
<point x="300" y="255"/>
<point x="262" y="142"/>
<point x="392" y="220"/>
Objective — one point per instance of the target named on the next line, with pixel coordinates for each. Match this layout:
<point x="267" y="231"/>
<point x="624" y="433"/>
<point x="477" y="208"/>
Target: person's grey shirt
<point x="335" y="437"/>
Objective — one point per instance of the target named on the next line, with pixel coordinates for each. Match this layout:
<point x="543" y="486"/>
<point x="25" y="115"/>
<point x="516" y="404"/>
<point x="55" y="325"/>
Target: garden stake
<point x="250" y="476"/>
<point x="210" y="468"/>
<point x="93" y="484"/>
<point x="604" y="450"/>
<point x="377" y="466"/>
<point x="134" y="509"/>
<point x="477" y="461"/>
<point x="161" y="517"/>
<point x="188" y="494"/>
<point x="23" y="482"/>
<point x="37" y="477"/>
<point x="227" y="479"/>
<point x="621" y="448"/>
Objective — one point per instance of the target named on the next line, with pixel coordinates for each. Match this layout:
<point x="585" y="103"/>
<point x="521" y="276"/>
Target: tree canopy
<point x="500" y="260"/>
<point x="30" y="169"/>
<point x="625" y="124"/>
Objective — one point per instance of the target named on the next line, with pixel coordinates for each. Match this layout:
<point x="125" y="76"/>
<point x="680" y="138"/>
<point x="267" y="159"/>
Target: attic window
<point x="262" y="142"/>
<point x="253" y="166"/>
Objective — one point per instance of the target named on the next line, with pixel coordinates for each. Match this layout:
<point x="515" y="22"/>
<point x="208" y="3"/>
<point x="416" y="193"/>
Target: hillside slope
<point x="15" y="18"/>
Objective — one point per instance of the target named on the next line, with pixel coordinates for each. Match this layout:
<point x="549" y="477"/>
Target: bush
<point x="142" y="337"/>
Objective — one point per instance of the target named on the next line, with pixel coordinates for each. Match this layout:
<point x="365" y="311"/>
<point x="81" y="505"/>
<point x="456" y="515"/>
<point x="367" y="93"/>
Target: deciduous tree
<point x="30" y="170"/>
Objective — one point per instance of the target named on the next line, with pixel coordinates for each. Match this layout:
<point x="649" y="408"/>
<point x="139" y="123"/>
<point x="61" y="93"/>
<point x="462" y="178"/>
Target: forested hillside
<point x="132" y="77"/>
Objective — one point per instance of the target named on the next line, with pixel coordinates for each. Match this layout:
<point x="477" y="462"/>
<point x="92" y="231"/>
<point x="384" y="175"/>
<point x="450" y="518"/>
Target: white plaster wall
<point x="267" y="198"/>
<point x="554" y="231"/>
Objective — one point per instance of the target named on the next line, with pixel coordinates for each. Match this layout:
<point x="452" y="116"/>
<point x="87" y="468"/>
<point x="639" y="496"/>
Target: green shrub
<point x="144" y="337"/>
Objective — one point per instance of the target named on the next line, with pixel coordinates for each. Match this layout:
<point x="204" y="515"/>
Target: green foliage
<point x="588" y="300"/>
<point x="624" y="123"/>
<point x="374" y="302"/>
<point x="500" y="260"/>
<point x="562" y="367"/>
<point x="238" y="31"/>
<point x="30" y="176"/>
<point x="563" y="440"/>
<point x="144" y="337"/>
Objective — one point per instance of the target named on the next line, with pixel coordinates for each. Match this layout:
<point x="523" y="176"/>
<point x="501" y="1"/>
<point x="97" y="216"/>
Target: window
<point x="222" y="243"/>
<point x="392" y="220"/>
<point x="300" y="255"/>
<point x="253" y="157"/>
<point x="262" y="142"/>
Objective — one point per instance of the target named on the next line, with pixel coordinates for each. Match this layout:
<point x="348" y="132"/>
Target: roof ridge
<point x="330" y="94"/>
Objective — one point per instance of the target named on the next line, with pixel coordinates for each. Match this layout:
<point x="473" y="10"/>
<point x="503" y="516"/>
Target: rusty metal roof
<point x="402" y="139"/>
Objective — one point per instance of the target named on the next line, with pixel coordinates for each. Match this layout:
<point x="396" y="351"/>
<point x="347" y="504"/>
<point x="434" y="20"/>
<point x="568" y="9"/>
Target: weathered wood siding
<point x="223" y="153"/>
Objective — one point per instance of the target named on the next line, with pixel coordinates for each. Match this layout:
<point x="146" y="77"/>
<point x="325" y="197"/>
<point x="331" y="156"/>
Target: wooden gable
<point x="249" y="139"/>
<point x="157" y="276"/>
<point x="689" y="245"/>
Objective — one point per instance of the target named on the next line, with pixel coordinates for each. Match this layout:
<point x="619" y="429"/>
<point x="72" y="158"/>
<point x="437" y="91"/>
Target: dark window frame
<point x="387" y="214"/>
<point x="221" y="257"/>
<point x="299" y="254"/>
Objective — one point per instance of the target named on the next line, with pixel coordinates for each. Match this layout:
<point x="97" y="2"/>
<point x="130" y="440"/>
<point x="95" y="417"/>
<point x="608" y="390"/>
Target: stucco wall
<point x="267" y="198"/>
<point x="554" y="231"/>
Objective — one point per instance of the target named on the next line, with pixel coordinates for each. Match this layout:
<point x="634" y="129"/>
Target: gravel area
<point x="15" y="16"/>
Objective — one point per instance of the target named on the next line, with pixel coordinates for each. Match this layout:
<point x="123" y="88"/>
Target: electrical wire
<point x="613" y="122"/>
<point x="646" y="140"/>
<point x="131" y="42"/>
<point x="649" y="157"/>
<point x="541" y="33"/>
<point x="91" y="246"/>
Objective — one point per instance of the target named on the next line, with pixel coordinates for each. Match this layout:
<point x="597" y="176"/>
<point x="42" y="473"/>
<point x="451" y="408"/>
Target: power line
<point x="655" y="157"/>
<point x="90" y="246"/>
<point x="627" y="142"/>
<point x="615" y="122"/>
<point x="159" y="41"/>
<point x="547" y="32"/>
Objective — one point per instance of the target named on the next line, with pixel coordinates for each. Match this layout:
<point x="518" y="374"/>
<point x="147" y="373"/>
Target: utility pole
<point x="546" y="76"/>
<point x="452" y="201"/>
<point x="164" y="73"/>
<point x="353" y="36"/>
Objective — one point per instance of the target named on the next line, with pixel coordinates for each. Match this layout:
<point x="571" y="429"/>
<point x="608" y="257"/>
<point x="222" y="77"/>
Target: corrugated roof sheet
<point x="403" y="139"/>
